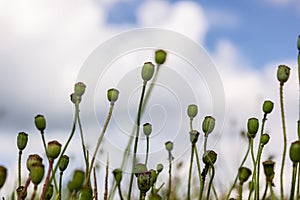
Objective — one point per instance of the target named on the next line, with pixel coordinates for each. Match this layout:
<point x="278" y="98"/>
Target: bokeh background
<point x="43" y="45"/>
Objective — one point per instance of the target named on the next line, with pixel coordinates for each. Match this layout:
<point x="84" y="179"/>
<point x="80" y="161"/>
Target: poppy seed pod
<point x="244" y="174"/>
<point x="194" y="134"/>
<point x="264" y="139"/>
<point x="252" y="126"/>
<point x="86" y="193"/>
<point x="3" y="175"/>
<point x="192" y="111"/>
<point x="160" y="56"/>
<point x="268" y="106"/>
<point x="32" y="160"/>
<point x="269" y="169"/>
<point x="49" y="192"/>
<point x="19" y="191"/>
<point x="147" y="71"/>
<point x="117" y="175"/>
<point x="63" y="163"/>
<point x="76" y="99"/>
<point x="298" y="43"/>
<point x="159" y="167"/>
<point x="139" y="168"/>
<point x="209" y="157"/>
<point x="79" y="88"/>
<point x="112" y="95"/>
<point x="154" y="196"/>
<point x="147" y="128"/>
<point x="169" y="146"/>
<point x="22" y="140"/>
<point x="208" y="125"/>
<point x="53" y="149"/>
<point x="144" y="181"/>
<point x="40" y="122"/>
<point x="77" y="181"/>
<point x="37" y="173"/>
<point x="283" y="73"/>
<point x="295" y="151"/>
<point x="153" y="175"/>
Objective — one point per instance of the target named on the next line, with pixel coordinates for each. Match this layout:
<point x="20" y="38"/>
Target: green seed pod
<point x="153" y="176"/>
<point x="208" y="125"/>
<point x="139" y="168"/>
<point x="194" y="134"/>
<point x="147" y="71"/>
<point x="63" y="163"/>
<point x="22" y="140"/>
<point x="209" y="157"/>
<point x="244" y="174"/>
<point x="283" y="73"/>
<point x="86" y="193"/>
<point x="144" y="181"/>
<point x="19" y="191"/>
<point x="78" y="179"/>
<point x="49" y="192"/>
<point x="37" y="173"/>
<point x="40" y="122"/>
<point x="79" y="88"/>
<point x="252" y="125"/>
<point x="159" y="167"/>
<point x="118" y="175"/>
<point x="192" y="111"/>
<point x="269" y="169"/>
<point x="268" y="107"/>
<point x="3" y="175"/>
<point x="76" y="99"/>
<point x="147" y="128"/>
<point x="160" y="56"/>
<point x="53" y="149"/>
<point x="32" y="160"/>
<point x="298" y="43"/>
<point x="169" y="146"/>
<point x="264" y="139"/>
<point x="112" y="95"/>
<point x="295" y="152"/>
<point x="154" y="196"/>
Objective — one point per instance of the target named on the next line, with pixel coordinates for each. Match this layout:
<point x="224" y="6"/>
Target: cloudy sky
<point x="44" y="45"/>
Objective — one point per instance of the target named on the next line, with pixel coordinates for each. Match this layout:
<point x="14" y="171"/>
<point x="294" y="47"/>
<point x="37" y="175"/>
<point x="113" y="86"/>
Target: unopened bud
<point x="40" y="122"/>
<point x="244" y="174"/>
<point x="192" y="111"/>
<point x="252" y="126"/>
<point x="160" y="56"/>
<point x="147" y="128"/>
<point x="268" y="106"/>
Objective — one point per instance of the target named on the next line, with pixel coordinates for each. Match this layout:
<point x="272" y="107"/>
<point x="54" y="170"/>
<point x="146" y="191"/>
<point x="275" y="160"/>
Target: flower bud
<point x="118" y="175"/>
<point x="208" y="124"/>
<point x="40" y="122"/>
<point x="160" y="56"/>
<point x="112" y="95"/>
<point x="169" y="146"/>
<point x="63" y="163"/>
<point x="144" y="181"/>
<point x="295" y="151"/>
<point x="53" y="149"/>
<point x="298" y="44"/>
<point x="147" y="128"/>
<point x="268" y="107"/>
<point x="147" y="71"/>
<point x="139" y="168"/>
<point x="209" y="157"/>
<point x="79" y="88"/>
<point x="49" y="192"/>
<point x="244" y="174"/>
<point x="22" y="140"/>
<point x="76" y="99"/>
<point x="37" y="173"/>
<point x="264" y="139"/>
<point x="252" y="125"/>
<point x="86" y="193"/>
<point x="269" y="169"/>
<point x="194" y="136"/>
<point x="19" y="191"/>
<point x="32" y="160"/>
<point x="3" y="175"/>
<point x="159" y="167"/>
<point x="192" y="111"/>
<point x="283" y="73"/>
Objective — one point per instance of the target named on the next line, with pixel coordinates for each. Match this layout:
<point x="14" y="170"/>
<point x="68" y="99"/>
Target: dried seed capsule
<point x="252" y="126"/>
<point x="112" y="95"/>
<point x="22" y="140"/>
<point x="79" y="88"/>
<point x="53" y="149"/>
<point x="244" y="174"/>
<point x="160" y="56"/>
<point x="147" y="71"/>
<point x="283" y="73"/>
<point x="268" y="106"/>
<point x="40" y="122"/>
<point x="147" y="128"/>
<point x="192" y="111"/>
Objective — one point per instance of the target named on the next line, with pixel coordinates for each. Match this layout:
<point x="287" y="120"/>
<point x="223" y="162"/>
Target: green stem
<point x="240" y="191"/>
<point x="293" y="180"/>
<point x="284" y="142"/>
<point x="254" y="171"/>
<point x="205" y="142"/>
<point x="83" y="146"/>
<point x="25" y="188"/>
<point x="236" y="177"/>
<point x="47" y="179"/>
<point x="87" y="182"/>
<point x="120" y="191"/>
<point x="44" y="141"/>
<point x="147" y="150"/>
<point x="190" y="172"/>
<point x="272" y="191"/>
<point x="203" y="175"/>
<point x="34" y="193"/>
<point x="19" y="167"/>
<point x="266" y="190"/>
<point x="211" y="180"/>
<point x="197" y="161"/>
<point x="60" y="185"/>
<point x="138" y="122"/>
<point x="298" y="183"/>
<point x="142" y="195"/>
<point x="170" y="176"/>
<point x="191" y="124"/>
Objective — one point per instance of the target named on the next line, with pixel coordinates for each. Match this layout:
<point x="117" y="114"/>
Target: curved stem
<point x="60" y="184"/>
<point x="190" y="173"/>
<point x="211" y="180"/>
<point x="197" y="161"/>
<point x="205" y="142"/>
<point x="284" y="143"/>
<point x="294" y="175"/>
<point x="19" y="167"/>
<point x="34" y="193"/>
<point x="120" y="191"/>
<point x="272" y="191"/>
<point x="87" y="182"/>
<point x="170" y="176"/>
<point x="254" y="171"/>
<point x="240" y="191"/>
<point x="265" y="191"/>
<point x="47" y="179"/>
<point x="147" y="150"/>
<point x="83" y="146"/>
